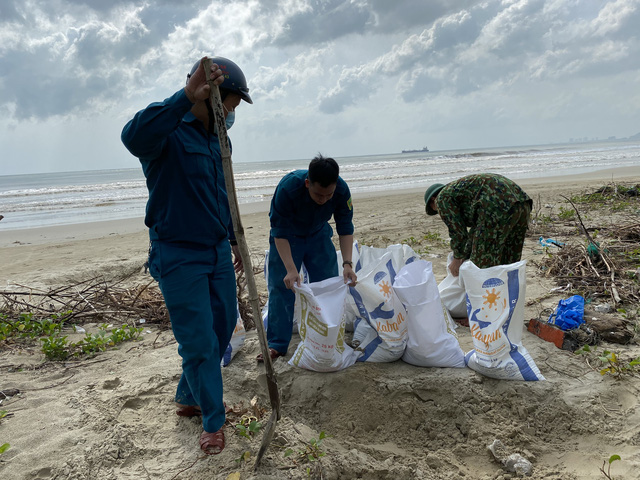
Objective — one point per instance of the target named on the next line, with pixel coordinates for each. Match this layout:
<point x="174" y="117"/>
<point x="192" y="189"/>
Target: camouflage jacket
<point x="475" y="200"/>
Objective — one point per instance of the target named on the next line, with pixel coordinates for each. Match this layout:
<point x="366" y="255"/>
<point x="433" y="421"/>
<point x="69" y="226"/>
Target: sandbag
<point x="350" y="310"/>
<point x="318" y="313"/>
<point x="496" y="298"/>
<point x="432" y="341"/>
<point x="368" y="256"/>
<point x="237" y="340"/>
<point x="304" y="275"/>
<point x="401" y="254"/>
<point x="380" y="329"/>
<point x="452" y="293"/>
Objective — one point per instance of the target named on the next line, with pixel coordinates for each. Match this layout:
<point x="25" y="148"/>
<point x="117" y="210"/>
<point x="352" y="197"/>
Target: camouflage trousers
<point x="498" y="238"/>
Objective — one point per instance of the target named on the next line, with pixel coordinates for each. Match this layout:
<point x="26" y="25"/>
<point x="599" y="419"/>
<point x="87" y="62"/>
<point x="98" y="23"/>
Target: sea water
<point x="38" y="200"/>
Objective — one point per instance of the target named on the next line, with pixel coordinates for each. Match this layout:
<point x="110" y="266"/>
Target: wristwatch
<point x="347" y="262"/>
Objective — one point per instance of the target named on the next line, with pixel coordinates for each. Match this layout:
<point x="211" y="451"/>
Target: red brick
<point x="547" y="332"/>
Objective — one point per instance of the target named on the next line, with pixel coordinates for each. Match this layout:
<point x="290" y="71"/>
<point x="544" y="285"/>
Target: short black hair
<point x="323" y="170"/>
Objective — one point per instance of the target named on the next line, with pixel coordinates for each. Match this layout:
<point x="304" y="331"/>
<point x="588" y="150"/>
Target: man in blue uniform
<point x="190" y="231"/>
<point x="302" y="205"/>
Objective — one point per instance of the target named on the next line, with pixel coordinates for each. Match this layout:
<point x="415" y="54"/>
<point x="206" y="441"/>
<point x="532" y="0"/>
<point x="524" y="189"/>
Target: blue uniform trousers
<point x="199" y="289"/>
<point x="319" y="257"/>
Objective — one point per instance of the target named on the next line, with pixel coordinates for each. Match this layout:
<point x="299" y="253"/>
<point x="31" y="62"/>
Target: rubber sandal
<point x="195" y="411"/>
<point x="272" y="353"/>
<point x="189" y="411"/>
<point x="212" y="443"/>
<point x="464" y="321"/>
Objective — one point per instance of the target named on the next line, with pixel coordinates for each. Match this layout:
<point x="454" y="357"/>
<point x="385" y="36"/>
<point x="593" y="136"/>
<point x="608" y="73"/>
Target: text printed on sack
<point x="389" y="327"/>
<point x="487" y="339"/>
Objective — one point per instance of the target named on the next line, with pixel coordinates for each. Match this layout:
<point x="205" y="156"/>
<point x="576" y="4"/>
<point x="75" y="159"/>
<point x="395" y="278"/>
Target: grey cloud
<point x="328" y="20"/>
<point x="87" y="63"/>
<point x="333" y="19"/>
<point x="399" y="15"/>
<point x="416" y="83"/>
<point x="352" y="86"/>
<point x="58" y="93"/>
<point x="55" y="7"/>
<point x="491" y="43"/>
<point x="9" y="12"/>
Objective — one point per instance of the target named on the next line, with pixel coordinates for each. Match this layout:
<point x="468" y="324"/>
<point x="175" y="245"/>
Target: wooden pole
<point x="272" y="383"/>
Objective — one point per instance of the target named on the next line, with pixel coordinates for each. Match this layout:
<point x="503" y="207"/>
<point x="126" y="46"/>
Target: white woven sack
<point x="401" y="254"/>
<point x="237" y="340"/>
<point x="368" y="256"/>
<point x="496" y="320"/>
<point x="380" y="331"/>
<point x="432" y="339"/>
<point x="452" y="293"/>
<point x="350" y="307"/>
<point x="304" y="275"/>
<point x="318" y="312"/>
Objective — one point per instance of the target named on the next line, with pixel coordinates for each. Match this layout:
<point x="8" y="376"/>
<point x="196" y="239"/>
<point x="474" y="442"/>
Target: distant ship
<point x="424" y="149"/>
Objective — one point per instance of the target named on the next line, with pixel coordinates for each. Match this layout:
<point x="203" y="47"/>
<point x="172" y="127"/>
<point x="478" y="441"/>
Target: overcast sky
<point x="342" y="77"/>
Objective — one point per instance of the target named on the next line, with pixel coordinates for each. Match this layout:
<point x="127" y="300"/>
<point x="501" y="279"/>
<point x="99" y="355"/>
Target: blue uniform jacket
<point x="183" y="167"/>
<point x="294" y="214"/>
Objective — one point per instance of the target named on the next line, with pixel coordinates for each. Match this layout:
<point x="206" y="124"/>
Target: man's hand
<point x="292" y="278"/>
<point x="454" y="266"/>
<point x="197" y="88"/>
<point x="237" y="259"/>
<point x="349" y="275"/>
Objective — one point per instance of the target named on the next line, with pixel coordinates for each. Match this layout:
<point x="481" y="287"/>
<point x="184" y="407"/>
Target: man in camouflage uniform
<point x="487" y="217"/>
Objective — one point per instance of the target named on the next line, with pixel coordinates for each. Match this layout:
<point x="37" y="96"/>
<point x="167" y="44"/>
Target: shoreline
<point x="128" y="226"/>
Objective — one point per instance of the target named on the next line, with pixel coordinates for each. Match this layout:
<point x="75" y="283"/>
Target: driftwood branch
<point x="272" y="385"/>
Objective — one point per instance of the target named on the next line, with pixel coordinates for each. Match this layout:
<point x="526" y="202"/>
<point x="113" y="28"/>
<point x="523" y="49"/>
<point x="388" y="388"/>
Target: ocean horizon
<point x="46" y="199"/>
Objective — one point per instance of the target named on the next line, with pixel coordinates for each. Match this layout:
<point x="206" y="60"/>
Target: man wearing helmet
<point x="487" y="216"/>
<point x="191" y="232"/>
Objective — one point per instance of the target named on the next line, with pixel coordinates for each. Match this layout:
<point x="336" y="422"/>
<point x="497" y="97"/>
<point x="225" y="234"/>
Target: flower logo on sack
<point x="385" y="289"/>
<point x="493" y="297"/>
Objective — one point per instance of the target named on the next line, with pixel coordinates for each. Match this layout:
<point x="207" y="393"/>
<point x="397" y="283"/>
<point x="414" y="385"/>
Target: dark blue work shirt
<point x="183" y="167"/>
<point x="293" y="212"/>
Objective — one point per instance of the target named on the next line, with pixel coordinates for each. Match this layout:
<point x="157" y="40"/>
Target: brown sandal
<point x="195" y="411"/>
<point x="272" y="353"/>
<point x="212" y="443"/>
<point x="189" y="411"/>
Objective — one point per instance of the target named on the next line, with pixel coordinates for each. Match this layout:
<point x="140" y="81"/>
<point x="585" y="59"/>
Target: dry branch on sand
<point x="95" y="299"/>
<point x="100" y="300"/>
<point x="601" y="264"/>
<point x="603" y="269"/>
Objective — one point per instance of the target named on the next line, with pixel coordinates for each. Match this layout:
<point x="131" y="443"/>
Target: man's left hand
<point x="237" y="259"/>
<point x="349" y="275"/>
<point x="454" y="266"/>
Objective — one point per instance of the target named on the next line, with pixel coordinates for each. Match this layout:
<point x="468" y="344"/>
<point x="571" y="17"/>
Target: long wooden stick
<point x="272" y="384"/>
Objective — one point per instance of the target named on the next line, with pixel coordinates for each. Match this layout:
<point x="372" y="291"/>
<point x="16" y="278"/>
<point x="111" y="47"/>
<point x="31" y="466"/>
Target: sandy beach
<point x="112" y="416"/>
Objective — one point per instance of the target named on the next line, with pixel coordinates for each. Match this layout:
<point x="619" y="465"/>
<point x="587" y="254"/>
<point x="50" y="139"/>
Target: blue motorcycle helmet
<point x="234" y="79"/>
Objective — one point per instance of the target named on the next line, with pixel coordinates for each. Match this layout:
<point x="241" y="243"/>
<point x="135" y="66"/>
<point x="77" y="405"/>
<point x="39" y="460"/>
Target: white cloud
<point x="459" y="72"/>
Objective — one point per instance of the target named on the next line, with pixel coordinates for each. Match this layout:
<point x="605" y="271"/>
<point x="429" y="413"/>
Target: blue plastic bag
<point x="569" y="313"/>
